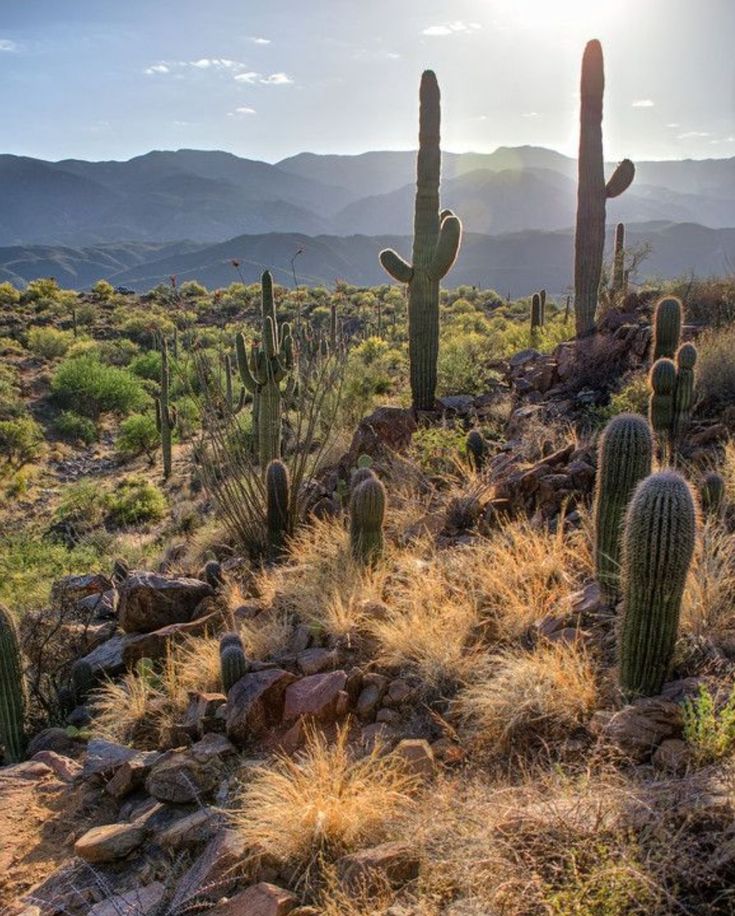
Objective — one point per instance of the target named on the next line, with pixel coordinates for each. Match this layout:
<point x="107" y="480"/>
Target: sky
<point x="266" y="79"/>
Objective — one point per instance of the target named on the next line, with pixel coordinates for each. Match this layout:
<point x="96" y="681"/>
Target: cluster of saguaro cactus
<point x="437" y="237"/>
<point x="592" y="192"/>
<point x="618" y="283"/>
<point x="12" y="690"/>
<point x="658" y="545"/>
<point x="262" y="373"/>
<point x="624" y="459"/>
<point x="232" y="660"/>
<point x="278" y="499"/>
<point x="165" y="412"/>
<point x="476" y="449"/>
<point x="712" y="493"/>
<point x="367" y="515"/>
<point x="667" y="322"/>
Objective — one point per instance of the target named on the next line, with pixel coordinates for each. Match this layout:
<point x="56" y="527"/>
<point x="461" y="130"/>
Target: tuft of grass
<point x="709" y="600"/>
<point x="709" y="731"/>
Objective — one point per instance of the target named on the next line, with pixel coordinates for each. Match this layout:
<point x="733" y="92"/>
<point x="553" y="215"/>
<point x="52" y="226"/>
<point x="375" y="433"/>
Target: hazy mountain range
<point x="190" y="211"/>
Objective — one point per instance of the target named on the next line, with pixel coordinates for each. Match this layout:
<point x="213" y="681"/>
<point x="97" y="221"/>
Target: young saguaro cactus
<point x="625" y="457"/>
<point x="165" y="413"/>
<point x="436" y="241"/>
<point x="277" y="489"/>
<point x="262" y="374"/>
<point x="542" y="303"/>
<point x="592" y="192"/>
<point x="712" y="493"/>
<point x="618" y="276"/>
<point x="233" y="661"/>
<point x="12" y="690"/>
<point x="537" y="315"/>
<point x="367" y="514"/>
<point x="667" y="322"/>
<point x="686" y="358"/>
<point x="658" y="545"/>
<point x="661" y="403"/>
<point x="476" y="450"/>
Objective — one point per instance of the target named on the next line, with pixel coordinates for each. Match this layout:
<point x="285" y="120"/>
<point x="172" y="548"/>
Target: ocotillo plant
<point x="232" y="661"/>
<point x="592" y="193"/>
<point x="277" y="491"/>
<point x="667" y="323"/>
<point x="165" y="413"/>
<point x="436" y="241"/>
<point x="624" y="459"/>
<point x="661" y="402"/>
<point x="475" y="449"/>
<point x="658" y="544"/>
<point x="686" y="358"/>
<point x="618" y="274"/>
<point x="12" y="690"/>
<point x="262" y="375"/>
<point x="367" y="514"/>
<point x="712" y="493"/>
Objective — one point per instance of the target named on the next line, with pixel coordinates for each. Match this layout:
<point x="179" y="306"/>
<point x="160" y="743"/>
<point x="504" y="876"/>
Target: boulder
<point x="109" y="843"/>
<point x="141" y="901"/>
<point x="180" y="778"/>
<point x="107" y="659"/>
<point x="150" y="601"/>
<point x="156" y="643"/>
<point x="262" y="899"/>
<point x="369" y="870"/>
<point x="70" y="590"/>
<point x="318" y="696"/>
<point x="131" y="774"/>
<point x="638" y="729"/>
<point x="190" y="830"/>
<point x="104" y="758"/>
<point x="255" y="703"/>
<point x="385" y="431"/>
<point x="213" y="873"/>
<point x="417" y="757"/>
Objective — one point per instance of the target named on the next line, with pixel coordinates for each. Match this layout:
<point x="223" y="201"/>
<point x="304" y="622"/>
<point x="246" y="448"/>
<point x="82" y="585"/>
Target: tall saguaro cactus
<point x="592" y="193"/>
<point x="165" y="413"/>
<point x="618" y="276"/>
<point x="12" y="690"/>
<point x="658" y="545"/>
<point x="667" y="321"/>
<point x="625" y="457"/>
<point x="436" y="241"/>
<point x="263" y="372"/>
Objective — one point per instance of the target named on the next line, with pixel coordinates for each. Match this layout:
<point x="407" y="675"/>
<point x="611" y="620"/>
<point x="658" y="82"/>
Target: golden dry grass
<point x="708" y="609"/>
<point x="132" y="711"/>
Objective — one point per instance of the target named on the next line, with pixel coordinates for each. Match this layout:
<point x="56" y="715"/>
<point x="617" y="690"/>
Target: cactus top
<point x="663" y="376"/>
<point x="686" y="356"/>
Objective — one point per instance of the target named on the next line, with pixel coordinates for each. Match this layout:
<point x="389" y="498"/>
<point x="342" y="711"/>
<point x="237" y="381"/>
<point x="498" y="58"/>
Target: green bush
<point x="20" y="440"/>
<point x="147" y="365"/>
<point x="9" y="295"/>
<point x="438" y="450"/>
<point x="11" y="402"/>
<point x="136" y="500"/>
<point x="709" y="732"/>
<point x="10" y="347"/>
<point x="78" y="429"/>
<point x="103" y="291"/>
<point x="83" y="504"/>
<point x="49" y="343"/>
<point x="138" y="436"/>
<point x="89" y="387"/>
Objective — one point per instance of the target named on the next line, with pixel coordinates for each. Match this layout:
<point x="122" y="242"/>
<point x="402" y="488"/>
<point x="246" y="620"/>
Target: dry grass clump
<point x="709" y="600"/>
<point x="523" y="700"/>
<point x="716" y="367"/>
<point x="134" y="710"/>
<point x="322" y="804"/>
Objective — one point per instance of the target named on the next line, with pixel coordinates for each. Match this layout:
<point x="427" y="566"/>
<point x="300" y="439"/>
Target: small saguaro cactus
<point x="658" y="545"/>
<point x="668" y="317"/>
<point x="618" y="274"/>
<point x="625" y="457"/>
<point x="537" y="319"/>
<point x="712" y="493"/>
<point x="277" y="489"/>
<point x="542" y="302"/>
<point x="359" y="474"/>
<point x="661" y="403"/>
<point x="262" y="374"/>
<point x="476" y="450"/>
<point x="165" y="413"/>
<point x="367" y="514"/>
<point x="436" y="241"/>
<point x="686" y="358"/>
<point x="12" y="690"/>
<point x="592" y="193"/>
<point x="233" y="661"/>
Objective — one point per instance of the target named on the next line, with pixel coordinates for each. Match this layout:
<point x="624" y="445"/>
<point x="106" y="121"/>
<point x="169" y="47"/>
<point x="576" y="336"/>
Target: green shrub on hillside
<point x="91" y="388"/>
<point x="9" y="295"/>
<point x="136" y="500"/>
<point x="49" y="343"/>
<point x="716" y="367"/>
<point x="138" y="436"/>
<point x="20" y="440"/>
<point x="75" y="428"/>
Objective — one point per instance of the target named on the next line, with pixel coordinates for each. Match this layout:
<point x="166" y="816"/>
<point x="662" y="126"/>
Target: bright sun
<point x="575" y="16"/>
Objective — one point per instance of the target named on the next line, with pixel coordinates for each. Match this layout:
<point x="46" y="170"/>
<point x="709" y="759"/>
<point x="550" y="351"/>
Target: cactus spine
<point x="658" y="544"/>
<point x="686" y="358"/>
<point x="625" y="456"/>
<point x="232" y="660"/>
<point x="661" y="403"/>
<point x="437" y="237"/>
<point x="165" y="414"/>
<point x="12" y="690"/>
<point x="592" y="192"/>
<point x="475" y="449"/>
<point x="277" y="488"/>
<point x="262" y="375"/>
<point x="618" y="276"/>
<point x="667" y="327"/>
<point x="367" y="514"/>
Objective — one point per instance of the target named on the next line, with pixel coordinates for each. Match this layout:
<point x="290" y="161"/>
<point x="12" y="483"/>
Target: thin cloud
<point x="257" y="40"/>
<point x="451" y="28"/>
<point x="250" y="77"/>
<point x="158" y="68"/>
<point x="7" y="45"/>
<point x="531" y="114"/>
<point x="643" y="103"/>
<point x="277" y="79"/>
<point x="213" y="64"/>
<point x="242" y="110"/>
<point x="693" y="134"/>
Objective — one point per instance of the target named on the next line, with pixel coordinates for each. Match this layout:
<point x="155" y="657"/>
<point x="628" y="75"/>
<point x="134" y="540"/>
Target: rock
<point x="189" y="830"/>
<point x="150" y="601"/>
<point x="316" y="696"/>
<point x="672" y="756"/>
<point x="103" y="606"/>
<point x="447" y="751"/>
<point x="131" y="774"/>
<point x="64" y="767"/>
<point x="389" y="716"/>
<point x="138" y="902"/>
<point x="156" y="643"/>
<point x="300" y="640"/>
<point x="105" y="757"/>
<point x="417" y="757"/>
<point x="370" y="869"/>
<point x="255" y="703"/>
<point x="373" y="691"/>
<point x="312" y="661"/>
<point x="213" y="872"/>
<point x="179" y="777"/>
<point x="377" y="734"/>
<point x="56" y="740"/>
<point x="201" y="714"/>
<point x="386" y="430"/>
<point x="212" y="747"/>
<point x="638" y="729"/>
<point x="262" y="899"/>
<point x="458" y="403"/>
<point x="70" y="590"/>
<point x="399" y="691"/>
<point x="107" y="659"/>
<point x="109" y="843"/>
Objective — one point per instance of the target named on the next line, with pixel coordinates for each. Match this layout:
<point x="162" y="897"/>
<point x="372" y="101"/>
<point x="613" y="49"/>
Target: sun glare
<point x="571" y="15"/>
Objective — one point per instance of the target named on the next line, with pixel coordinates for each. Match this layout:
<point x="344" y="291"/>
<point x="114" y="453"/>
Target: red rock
<point x="156" y="643"/>
<point x="256" y="702"/>
<point x="317" y="696"/>
<point x="370" y="869"/>
<point x="417" y="757"/>
<point x="150" y="601"/>
<point x="213" y="873"/>
<point x="262" y="899"/>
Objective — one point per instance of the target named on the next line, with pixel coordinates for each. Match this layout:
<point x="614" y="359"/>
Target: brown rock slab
<point x="316" y="696"/>
<point x="189" y="830"/>
<point x="255" y="703"/>
<point x="109" y="843"/>
<point x="150" y="601"/>
<point x="262" y="899"/>
<point x="64" y="767"/>
<point x="369" y="870"/>
<point x="417" y="757"/>
<point x="180" y="778"/>
<point x="313" y="661"/>
<point x="213" y="872"/>
<point x="131" y="774"/>
<point x="140" y="902"/>
<point x="156" y="643"/>
<point x="105" y="757"/>
<point x="638" y="729"/>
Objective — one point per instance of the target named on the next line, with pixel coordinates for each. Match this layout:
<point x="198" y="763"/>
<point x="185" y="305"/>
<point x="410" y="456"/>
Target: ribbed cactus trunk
<point x="624" y="459"/>
<point x="435" y="245"/>
<point x="233" y="661"/>
<point x="618" y="277"/>
<point x="661" y="402"/>
<point x="165" y="417"/>
<point x="592" y="192"/>
<point x="686" y="359"/>
<point x="667" y="322"/>
<point x="12" y="690"/>
<point x="278" y="490"/>
<point x="367" y="514"/>
<point x="658" y="545"/>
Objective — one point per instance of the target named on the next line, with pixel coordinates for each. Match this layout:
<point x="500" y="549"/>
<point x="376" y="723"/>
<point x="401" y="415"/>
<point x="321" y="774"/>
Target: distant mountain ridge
<point x="213" y="196"/>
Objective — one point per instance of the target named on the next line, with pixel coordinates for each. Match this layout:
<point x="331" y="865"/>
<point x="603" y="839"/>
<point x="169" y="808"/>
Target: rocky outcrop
<point x="150" y="601"/>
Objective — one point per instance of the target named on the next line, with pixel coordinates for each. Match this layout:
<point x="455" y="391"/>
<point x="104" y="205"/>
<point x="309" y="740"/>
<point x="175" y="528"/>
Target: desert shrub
<point x="83" y="505"/>
<point x="44" y="288"/>
<point x="145" y="328"/>
<point x="138" y="436"/>
<point x="103" y="290"/>
<point x="11" y="402"/>
<point x="49" y="343"/>
<point x="86" y="314"/>
<point x="709" y="730"/>
<point x="716" y="367"/>
<point x="90" y="388"/>
<point x="372" y="369"/>
<point x="135" y="500"/>
<point x="9" y="295"/>
<point x="20" y="440"/>
<point x="462" y="366"/>
<point x="632" y="398"/>
<point x="438" y="449"/>
<point x="78" y="429"/>
<point x="147" y="365"/>
<point x="188" y="418"/>
<point x="117" y="352"/>
<point x="10" y="347"/>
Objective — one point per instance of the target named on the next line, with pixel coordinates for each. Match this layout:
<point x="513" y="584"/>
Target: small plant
<point x="278" y="498"/>
<point x="476" y="449"/>
<point x="686" y="358"/>
<point x="20" y="440"/>
<point x="233" y="661"/>
<point x="367" y="514"/>
<point x="668" y="317"/>
<point x="136" y="500"/>
<point x="712" y="493"/>
<point x="79" y="429"/>
<point x="49" y="343"/>
<point x="139" y="435"/>
<point x="709" y="731"/>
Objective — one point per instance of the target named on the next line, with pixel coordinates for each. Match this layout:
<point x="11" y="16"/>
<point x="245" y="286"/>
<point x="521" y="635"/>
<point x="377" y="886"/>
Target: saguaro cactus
<point x="618" y="276"/>
<point x="686" y="358"/>
<point x="12" y="690"/>
<point x="537" y="315"/>
<point x="277" y="489"/>
<point x="542" y="303"/>
<point x="658" y="544"/>
<point x="592" y="193"/>
<point x="436" y="242"/>
<point x="367" y="514"/>
<point x="661" y="403"/>
<point x="476" y="449"/>
<point x="667" y="323"/>
<point x="712" y="493"/>
<point x="263" y="373"/>
<point x="625" y="456"/>
<point x="165" y="413"/>
<point x="232" y="660"/>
